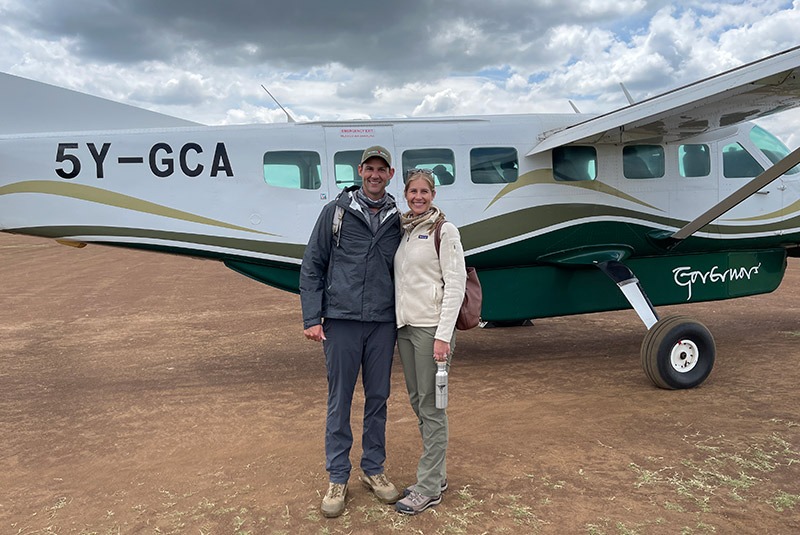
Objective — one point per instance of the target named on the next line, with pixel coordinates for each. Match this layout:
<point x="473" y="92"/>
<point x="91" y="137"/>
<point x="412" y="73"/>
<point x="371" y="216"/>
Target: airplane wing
<point x="742" y="94"/>
<point x="27" y="106"/>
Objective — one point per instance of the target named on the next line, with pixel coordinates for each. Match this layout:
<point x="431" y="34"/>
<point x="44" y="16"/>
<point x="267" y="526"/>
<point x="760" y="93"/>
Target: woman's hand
<point x="440" y="350"/>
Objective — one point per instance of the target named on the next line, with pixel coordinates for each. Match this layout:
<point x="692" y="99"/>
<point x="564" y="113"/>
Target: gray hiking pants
<point x="415" y="345"/>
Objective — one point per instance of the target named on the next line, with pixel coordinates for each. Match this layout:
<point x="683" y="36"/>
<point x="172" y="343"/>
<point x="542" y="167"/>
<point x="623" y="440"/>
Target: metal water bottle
<point x="441" y="385"/>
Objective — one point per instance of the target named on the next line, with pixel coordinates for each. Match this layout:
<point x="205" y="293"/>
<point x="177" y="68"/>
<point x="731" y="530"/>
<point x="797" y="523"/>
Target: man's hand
<point x="315" y="333"/>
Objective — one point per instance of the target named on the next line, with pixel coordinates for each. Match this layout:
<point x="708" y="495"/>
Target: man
<point x="347" y="295"/>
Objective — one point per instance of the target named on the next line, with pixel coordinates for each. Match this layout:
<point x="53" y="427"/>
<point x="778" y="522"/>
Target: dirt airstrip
<point x="150" y="394"/>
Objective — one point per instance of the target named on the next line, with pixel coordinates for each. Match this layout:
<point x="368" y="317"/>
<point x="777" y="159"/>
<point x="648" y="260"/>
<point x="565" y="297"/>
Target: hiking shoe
<point x="333" y="502"/>
<point x="381" y="487"/>
<point x="415" y="503"/>
<point x="407" y="490"/>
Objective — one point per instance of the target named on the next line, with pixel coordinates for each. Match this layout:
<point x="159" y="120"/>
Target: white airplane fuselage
<point x="670" y="200"/>
<point x="204" y="191"/>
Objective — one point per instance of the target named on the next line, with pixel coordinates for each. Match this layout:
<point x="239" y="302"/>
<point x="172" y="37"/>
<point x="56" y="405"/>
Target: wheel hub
<point x="684" y="356"/>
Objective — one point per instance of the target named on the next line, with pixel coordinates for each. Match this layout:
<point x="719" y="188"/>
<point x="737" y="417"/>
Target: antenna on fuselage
<point x="627" y="95"/>
<point x="288" y="115"/>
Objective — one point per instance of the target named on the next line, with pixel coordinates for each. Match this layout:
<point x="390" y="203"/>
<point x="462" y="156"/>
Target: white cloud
<point x="442" y="103"/>
<point x="205" y="61"/>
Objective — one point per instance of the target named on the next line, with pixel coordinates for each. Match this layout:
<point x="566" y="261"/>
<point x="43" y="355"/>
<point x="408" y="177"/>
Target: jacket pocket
<point x="437" y="294"/>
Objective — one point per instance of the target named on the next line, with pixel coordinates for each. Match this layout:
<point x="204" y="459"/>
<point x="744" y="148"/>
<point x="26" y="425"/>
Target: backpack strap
<point x="338" y="215"/>
<point x="437" y="235"/>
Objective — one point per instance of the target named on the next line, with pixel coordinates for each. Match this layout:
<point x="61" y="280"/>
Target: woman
<point x="429" y="289"/>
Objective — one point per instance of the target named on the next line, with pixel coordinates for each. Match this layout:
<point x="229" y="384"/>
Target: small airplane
<point x="561" y="214"/>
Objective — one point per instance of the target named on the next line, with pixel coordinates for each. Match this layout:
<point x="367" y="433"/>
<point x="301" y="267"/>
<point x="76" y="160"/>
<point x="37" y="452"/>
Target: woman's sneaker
<point x="407" y="490"/>
<point x="416" y="503"/>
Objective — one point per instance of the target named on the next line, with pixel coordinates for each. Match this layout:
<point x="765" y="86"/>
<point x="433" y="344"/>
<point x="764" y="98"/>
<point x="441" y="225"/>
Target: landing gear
<point x="678" y="352"/>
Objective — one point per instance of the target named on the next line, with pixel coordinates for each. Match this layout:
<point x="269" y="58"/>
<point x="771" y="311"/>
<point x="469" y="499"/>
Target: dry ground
<point x="150" y="394"/>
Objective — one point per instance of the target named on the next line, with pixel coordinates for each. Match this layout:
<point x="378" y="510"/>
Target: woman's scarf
<point x="409" y="221"/>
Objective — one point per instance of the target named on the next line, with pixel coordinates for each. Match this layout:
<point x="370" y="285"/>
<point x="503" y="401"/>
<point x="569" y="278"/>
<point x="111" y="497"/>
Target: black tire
<point x="678" y="352"/>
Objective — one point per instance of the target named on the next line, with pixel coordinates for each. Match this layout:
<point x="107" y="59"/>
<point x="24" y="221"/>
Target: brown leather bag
<point x="469" y="315"/>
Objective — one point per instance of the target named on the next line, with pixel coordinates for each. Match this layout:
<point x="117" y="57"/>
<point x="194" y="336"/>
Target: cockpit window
<point x="771" y="147"/>
<point x="738" y="163"/>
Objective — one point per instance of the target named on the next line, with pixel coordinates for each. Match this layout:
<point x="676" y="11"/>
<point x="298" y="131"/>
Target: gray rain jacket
<point x="354" y="279"/>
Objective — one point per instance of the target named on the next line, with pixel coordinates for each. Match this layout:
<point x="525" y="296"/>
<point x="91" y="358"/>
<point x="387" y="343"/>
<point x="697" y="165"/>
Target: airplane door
<point x="737" y="167"/>
<point x="344" y="145"/>
<point x="291" y="188"/>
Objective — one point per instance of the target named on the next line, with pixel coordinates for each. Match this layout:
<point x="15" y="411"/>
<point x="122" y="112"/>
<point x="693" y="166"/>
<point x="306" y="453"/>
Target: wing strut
<point x="735" y="198"/>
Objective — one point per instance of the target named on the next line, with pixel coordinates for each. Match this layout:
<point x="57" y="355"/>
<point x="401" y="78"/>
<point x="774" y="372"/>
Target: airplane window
<point x="493" y="165"/>
<point x="440" y="161"/>
<point x="738" y="163"/>
<point x="296" y="169"/>
<point x="346" y="168"/>
<point x="643" y="161"/>
<point x="771" y="147"/>
<point x="694" y="160"/>
<point x="574" y="163"/>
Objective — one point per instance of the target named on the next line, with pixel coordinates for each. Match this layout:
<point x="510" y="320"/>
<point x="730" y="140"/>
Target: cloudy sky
<point x="205" y="60"/>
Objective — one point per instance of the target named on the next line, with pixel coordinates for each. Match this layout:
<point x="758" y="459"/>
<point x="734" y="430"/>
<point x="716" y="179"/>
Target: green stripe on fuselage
<point x="192" y="244"/>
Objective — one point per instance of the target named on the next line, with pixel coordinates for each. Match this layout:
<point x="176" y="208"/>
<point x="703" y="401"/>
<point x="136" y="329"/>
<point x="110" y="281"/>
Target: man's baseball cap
<point x="378" y="151"/>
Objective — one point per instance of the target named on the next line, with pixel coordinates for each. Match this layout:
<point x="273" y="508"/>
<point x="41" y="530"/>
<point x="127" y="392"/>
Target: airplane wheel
<point x="678" y="352"/>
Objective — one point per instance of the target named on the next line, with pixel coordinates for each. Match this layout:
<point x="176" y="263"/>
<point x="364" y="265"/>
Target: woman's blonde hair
<point x="413" y="174"/>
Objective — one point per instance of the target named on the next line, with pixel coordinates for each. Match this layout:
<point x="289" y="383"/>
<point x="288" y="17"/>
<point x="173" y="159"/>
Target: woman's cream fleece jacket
<point x="428" y="290"/>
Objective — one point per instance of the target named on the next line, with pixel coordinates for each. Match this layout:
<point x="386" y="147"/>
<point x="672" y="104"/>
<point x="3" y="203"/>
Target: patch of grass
<point x="468" y="500"/>
<point x="608" y="527"/>
<point x="701" y="527"/>
<point x="61" y="502"/>
<point x="670" y="506"/>
<point x="647" y="477"/>
<point x="783" y="500"/>
<point x="374" y="513"/>
<point x="239" y="521"/>
<point x="787" y="423"/>
<point x="594" y="529"/>
<point x="705" y="528"/>
<point x="460" y="519"/>
<point x="520" y="511"/>
<point x="716" y="467"/>
<point x="312" y="515"/>
<point x="555" y="485"/>
<point x="622" y="529"/>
